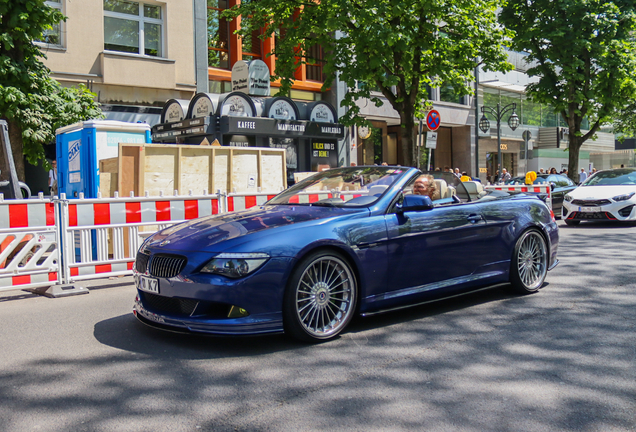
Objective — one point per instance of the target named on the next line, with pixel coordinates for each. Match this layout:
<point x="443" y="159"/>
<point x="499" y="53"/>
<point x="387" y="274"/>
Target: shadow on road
<point x="561" y="359"/>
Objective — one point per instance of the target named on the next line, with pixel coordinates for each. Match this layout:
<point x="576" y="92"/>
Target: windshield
<point x="612" y="177"/>
<point x="341" y="187"/>
<point x="452" y="182"/>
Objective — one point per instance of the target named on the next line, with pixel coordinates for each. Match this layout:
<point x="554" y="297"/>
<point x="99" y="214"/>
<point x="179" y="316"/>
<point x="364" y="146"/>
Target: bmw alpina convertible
<point x="347" y="241"/>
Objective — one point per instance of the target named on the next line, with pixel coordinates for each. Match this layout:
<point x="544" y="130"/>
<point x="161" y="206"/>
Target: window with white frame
<point x="133" y="27"/>
<point x="53" y="36"/>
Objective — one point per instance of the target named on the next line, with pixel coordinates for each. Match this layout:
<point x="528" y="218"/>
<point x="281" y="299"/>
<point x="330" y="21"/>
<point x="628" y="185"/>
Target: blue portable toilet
<point x="82" y="145"/>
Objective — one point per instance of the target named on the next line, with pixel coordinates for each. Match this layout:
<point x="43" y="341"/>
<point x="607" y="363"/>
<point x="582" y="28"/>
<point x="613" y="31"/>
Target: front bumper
<point x="250" y="325"/>
<point x="213" y="304"/>
<point x="613" y="211"/>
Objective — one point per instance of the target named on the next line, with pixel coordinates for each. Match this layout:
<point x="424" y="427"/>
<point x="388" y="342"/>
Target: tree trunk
<point x="573" y="161"/>
<point x="408" y="137"/>
<point x="15" y="137"/>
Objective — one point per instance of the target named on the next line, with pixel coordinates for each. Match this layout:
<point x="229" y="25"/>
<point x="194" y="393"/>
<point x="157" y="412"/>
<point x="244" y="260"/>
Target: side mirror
<point x="415" y="203"/>
<point x="552" y="186"/>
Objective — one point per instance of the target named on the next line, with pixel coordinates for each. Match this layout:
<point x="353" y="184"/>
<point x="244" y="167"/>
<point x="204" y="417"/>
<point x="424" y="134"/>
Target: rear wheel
<point x="572" y="222"/>
<point x="320" y="298"/>
<point x="529" y="262"/>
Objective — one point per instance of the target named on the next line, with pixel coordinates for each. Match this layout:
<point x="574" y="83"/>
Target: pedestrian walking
<point x="53" y="178"/>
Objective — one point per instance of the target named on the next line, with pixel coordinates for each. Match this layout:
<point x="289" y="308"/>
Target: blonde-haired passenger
<point x="425" y="185"/>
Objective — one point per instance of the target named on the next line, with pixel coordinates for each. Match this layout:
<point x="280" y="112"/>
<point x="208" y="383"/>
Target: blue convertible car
<point x="343" y="242"/>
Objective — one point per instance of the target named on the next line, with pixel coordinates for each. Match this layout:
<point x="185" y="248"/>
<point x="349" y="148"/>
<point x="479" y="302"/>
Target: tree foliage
<point x="396" y="47"/>
<point x="584" y="55"/>
<point x="32" y="102"/>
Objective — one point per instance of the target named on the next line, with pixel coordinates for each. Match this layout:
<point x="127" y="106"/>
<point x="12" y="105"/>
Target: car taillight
<point x="552" y="216"/>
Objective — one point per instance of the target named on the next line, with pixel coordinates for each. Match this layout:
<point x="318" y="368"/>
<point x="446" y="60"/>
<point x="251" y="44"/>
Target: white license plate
<point x="149" y="284"/>
<point x="590" y="209"/>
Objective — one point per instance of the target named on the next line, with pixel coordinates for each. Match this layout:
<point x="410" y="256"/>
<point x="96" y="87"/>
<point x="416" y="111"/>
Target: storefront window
<point x="218" y="35"/>
<point x="548" y="117"/>
<point x="530" y="113"/>
<point x="508" y="98"/>
<point x="491" y="97"/>
<point x="124" y="24"/>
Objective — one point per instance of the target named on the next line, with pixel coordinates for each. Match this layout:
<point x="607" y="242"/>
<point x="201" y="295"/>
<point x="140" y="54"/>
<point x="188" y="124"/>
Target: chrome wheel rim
<point x="532" y="260"/>
<point x="325" y="297"/>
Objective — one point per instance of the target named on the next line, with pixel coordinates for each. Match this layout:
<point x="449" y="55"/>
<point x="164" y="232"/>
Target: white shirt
<point x="52" y="176"/>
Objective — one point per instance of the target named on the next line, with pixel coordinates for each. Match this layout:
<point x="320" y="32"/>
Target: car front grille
<point x="591" y="216"/>
<point x="168" y="305"/>
<point x="591" y="203"/>
<point x="180" y="307"/>
<point x="141" y="263"/>
<point x="166" y="266"/>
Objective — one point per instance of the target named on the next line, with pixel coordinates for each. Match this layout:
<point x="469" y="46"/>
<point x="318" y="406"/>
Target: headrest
<point x="441" y="187"/>
<point x="377" y="190"/>
<point x="473" y="187"/>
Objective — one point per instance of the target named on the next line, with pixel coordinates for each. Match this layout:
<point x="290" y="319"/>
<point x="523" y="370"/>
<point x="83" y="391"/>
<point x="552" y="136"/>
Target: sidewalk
<point x="93" y="284"/>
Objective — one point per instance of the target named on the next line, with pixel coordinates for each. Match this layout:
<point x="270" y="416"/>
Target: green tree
<point x="32" y="102"/>
<point x="396" y="47"/>
<point x="584" y="54"/>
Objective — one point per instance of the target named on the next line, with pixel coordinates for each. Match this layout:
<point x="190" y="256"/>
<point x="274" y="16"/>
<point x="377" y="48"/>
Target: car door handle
<point x="475" y="218"/>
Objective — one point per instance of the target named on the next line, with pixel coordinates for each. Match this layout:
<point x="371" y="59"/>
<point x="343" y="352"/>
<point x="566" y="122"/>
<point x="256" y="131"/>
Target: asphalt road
<point x="563" y="359"/>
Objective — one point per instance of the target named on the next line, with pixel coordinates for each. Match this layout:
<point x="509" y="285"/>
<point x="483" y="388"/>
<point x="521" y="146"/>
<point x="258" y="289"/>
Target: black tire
<point x="572" y="222"/>
<point x="529" y="265"/>
<point x="320" y="299"/>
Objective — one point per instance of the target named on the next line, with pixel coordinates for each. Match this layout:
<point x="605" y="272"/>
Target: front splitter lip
<point x="250" y="325"/>
<point x="611" y="209"/>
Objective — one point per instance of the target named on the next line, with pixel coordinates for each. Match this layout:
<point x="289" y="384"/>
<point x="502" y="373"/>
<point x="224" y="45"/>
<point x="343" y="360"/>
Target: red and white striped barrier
<point x="540" y="188"/>
<point x="88" y="224"/>
<point x="100" y="237"/>
<point x="242" y="201"/>
<point x="29" y="256"/>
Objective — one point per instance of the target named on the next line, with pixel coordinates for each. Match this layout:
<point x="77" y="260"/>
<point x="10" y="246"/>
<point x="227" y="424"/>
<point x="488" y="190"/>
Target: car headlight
<point x="623" y="197"/>
<point x="235" y="265"/>
<point x="568" y="197"/>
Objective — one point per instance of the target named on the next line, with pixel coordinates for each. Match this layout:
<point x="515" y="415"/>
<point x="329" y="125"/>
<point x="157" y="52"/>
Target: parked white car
<point x="606" y="195"/>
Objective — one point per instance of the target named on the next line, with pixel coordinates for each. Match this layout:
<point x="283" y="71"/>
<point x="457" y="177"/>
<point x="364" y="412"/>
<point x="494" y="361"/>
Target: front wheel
<point x="320" y="298"/>
<point x="529" y="262"/>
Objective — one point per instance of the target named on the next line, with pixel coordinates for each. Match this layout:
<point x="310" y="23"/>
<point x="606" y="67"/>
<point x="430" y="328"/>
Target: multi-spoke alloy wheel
<point x="321" y="297"/>
<point x="530" y="262"/>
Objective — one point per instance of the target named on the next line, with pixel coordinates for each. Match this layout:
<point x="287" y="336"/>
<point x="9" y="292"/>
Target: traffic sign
<point x="433" y="120"/>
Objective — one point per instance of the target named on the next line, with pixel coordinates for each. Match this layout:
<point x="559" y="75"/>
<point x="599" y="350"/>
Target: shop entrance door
<point x="370" y="150"/>
<point x="291" y="153"/>
<point x="509" y="163"/>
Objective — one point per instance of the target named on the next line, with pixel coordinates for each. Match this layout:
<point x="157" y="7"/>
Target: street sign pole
<point x="419" y="145"/>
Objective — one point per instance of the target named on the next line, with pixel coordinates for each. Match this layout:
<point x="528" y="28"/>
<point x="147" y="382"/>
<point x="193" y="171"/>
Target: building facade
<point x="136" y="55"/>
<point x="133" y="55"/>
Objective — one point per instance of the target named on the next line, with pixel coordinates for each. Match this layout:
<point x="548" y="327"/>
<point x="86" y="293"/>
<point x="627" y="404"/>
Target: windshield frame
<point x="342" y="185"/>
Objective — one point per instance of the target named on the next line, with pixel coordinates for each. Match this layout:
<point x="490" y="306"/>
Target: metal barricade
<point x="245" y="200"/>
<point x="47" y="242"/>
<point x="101" y="236"/>
<point x="29" y="238"/>
<point x="537" y="188"/>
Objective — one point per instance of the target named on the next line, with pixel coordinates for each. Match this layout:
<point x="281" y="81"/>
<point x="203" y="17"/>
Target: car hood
<point x="600" y="192"/>
<point x="200" y="234"/>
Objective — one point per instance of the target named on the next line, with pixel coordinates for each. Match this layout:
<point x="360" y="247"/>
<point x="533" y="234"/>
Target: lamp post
<point x="499" y="113"/>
